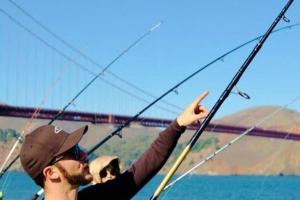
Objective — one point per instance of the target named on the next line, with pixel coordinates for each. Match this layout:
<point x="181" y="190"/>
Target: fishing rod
<point x="211" y="156"/>
<point x="219" y="102"/>
<point x="60" y="113"/>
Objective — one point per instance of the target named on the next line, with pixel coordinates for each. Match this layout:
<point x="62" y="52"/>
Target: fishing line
<point x="220" y="101"/>
<point x="211" y="156"/>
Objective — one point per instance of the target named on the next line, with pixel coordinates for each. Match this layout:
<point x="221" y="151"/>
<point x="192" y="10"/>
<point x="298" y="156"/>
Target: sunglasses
<point x="113" y="168"/>
<point x="75" y="152"/>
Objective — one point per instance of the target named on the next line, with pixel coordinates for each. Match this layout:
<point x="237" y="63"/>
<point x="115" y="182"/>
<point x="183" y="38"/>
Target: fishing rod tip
<point x="156" y="26"/>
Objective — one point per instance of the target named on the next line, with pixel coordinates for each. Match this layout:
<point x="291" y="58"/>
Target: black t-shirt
<point x="122" y="187"/>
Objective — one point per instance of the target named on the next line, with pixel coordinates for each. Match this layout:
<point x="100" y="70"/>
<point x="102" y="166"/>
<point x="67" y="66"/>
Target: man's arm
<point x="158" y="153"/>
<point x="156" y="156"/>
<point x="150" y="162"/>
<point x="126" y="185"/>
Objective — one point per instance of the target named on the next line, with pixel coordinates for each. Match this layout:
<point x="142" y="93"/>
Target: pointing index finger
<point x="200" y="98"/>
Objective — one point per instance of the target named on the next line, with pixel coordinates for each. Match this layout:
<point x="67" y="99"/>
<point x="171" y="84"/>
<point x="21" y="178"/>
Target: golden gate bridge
<point x="98" y="118"/>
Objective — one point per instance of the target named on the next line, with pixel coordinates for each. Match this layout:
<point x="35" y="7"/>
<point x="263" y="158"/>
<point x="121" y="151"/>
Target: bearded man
<point x="55" y="162"/>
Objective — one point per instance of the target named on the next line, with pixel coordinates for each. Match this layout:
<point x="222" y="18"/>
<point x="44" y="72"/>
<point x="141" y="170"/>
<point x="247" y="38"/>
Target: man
<point x="54" y="161"/>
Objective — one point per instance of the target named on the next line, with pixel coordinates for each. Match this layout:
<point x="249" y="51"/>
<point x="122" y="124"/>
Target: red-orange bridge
<point x="25" y="112"/>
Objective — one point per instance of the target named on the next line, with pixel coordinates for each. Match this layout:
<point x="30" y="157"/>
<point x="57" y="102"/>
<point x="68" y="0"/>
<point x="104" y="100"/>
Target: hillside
<point x="285" y="120"/>
<point x="250" y="155"/>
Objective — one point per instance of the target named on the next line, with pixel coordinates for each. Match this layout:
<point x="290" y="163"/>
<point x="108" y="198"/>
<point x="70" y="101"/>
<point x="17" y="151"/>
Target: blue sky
<point x="192" y="34"/>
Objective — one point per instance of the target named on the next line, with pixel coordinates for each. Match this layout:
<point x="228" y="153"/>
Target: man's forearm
<point x="152" y="160"/>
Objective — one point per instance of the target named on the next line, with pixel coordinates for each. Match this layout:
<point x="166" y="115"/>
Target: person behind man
<point x="54" y="161"/>
<point x="105" y="168"/>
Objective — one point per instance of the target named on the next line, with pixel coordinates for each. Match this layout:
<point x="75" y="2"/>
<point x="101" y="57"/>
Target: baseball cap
<point x="45" y="143"/>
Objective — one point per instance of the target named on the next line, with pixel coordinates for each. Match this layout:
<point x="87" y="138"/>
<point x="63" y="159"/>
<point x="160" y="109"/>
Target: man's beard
<point x="75" y="180"/>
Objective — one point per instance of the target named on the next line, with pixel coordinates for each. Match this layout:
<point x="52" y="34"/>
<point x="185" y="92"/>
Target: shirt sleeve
<point x="141" y="171"/>
<point x="152" y="160"/>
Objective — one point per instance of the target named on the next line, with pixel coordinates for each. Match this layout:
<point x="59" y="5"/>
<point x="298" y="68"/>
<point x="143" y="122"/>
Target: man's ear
<point x="51" y="172"/>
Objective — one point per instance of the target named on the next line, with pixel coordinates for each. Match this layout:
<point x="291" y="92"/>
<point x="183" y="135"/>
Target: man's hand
<point x="194" y="112"/>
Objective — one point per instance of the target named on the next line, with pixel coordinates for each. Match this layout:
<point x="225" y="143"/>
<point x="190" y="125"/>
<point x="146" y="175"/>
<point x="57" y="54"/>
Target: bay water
<point x="18" y="186"/>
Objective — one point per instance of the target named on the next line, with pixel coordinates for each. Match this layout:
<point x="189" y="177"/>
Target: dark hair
<point x="40" y="180"/>
<point x="113" y="167"/>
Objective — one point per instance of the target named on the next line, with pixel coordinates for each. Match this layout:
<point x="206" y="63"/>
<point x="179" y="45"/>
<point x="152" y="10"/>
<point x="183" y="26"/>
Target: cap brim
<point x="72" y="139"/>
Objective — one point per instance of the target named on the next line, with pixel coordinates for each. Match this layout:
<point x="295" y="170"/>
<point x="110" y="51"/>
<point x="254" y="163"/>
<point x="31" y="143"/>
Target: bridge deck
<point x="26" y="112"/>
